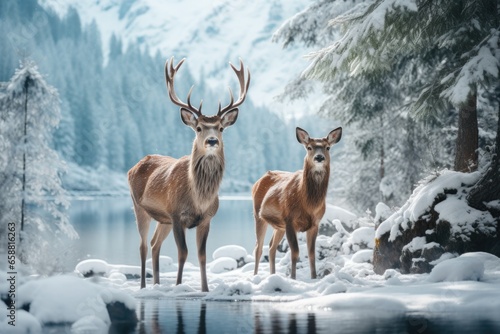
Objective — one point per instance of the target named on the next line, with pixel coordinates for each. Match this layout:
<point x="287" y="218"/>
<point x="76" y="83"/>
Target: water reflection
<point x="278" y="323"/>
<point x="198" y="316"/>
<point x="178" y="320"/>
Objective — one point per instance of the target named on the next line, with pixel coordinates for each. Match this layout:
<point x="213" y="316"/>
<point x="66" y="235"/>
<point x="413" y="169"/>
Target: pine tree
<point x="456" y="38"/>
<point x="30" y="190"/>
<point x="436" y="55"/>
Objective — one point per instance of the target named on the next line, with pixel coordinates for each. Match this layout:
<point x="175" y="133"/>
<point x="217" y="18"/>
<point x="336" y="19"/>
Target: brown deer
<point x="183" y="193"/>
<point x="294" y="202"/>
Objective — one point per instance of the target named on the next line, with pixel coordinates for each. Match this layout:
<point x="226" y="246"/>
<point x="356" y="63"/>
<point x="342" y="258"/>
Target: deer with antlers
<point x="183" y="193"/>
<point x="294" y="202"/>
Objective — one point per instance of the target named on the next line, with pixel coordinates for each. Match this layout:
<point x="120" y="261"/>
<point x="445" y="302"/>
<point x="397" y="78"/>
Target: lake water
<point x="198" y="316"/>
<point x="108" y="230"/>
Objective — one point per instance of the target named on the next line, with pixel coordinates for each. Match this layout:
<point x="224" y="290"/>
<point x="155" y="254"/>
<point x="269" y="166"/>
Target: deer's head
<point x="208" y="129"/>
<point x="317" y="149"/>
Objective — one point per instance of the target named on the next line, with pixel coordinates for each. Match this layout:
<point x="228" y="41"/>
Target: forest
<point x="413" y="204"/>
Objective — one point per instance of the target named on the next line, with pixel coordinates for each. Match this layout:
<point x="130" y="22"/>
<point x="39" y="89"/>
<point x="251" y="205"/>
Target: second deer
<point x="294" y="202"/>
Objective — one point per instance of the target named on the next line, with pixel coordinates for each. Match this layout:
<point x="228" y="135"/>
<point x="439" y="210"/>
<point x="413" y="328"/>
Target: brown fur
<point x="178" y="194"/>
<point x="183" y="193"/>
<point x="294" y="202"/>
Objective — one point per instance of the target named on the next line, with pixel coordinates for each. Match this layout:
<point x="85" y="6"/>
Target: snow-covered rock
<point x="364" y="255"/>
<point x="223" y="264"/>
<point x="89" y="324"/>
<point x="24" y="323"/>
<point x="96" y="267"/>
<point x="233" y="251"/>
<point x="434" y="221"/>
<point x="347" y="218"/>
<point x="68" y="299"/>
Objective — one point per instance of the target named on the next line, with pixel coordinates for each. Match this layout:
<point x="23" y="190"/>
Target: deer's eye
<point x="198" y="129"/>
<point x="328" y="148"/>
<point x="221" y="129"/>
<point x="309" y="148"/>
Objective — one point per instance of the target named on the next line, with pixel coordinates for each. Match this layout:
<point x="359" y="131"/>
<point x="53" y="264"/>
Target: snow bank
<point x="89" y="324"/>
<point x="68" y="299"/>
<point x="233" y="251"/>
<point x="25" y="323"/>
<point x="452" y="209"/>
<point x="96" y="267"/>
<point x="467" y="267"/>
<point x="223" y="264"/>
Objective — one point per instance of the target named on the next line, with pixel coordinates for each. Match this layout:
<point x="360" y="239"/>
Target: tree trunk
<point x="466" y="156"/>
<point x="23" y="200"/>
<point x="487" y="189"/>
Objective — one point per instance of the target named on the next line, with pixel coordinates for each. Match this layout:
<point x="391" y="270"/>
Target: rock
<point x="435" y="220"/>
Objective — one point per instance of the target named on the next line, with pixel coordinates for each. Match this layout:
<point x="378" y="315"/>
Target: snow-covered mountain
<point x="208" y="34"/>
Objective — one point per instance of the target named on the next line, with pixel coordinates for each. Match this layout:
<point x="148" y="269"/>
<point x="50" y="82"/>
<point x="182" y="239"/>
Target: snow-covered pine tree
<point x="438" y="54"/>
<point x="31" y="195"/>
<point x="388" y="147"/>
<point x="457" y="38"/>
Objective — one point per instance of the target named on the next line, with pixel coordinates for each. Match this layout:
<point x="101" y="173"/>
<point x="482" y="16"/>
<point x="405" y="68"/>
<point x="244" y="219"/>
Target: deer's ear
<point x="334" y="136"/>
<point x="302" y="136"/>
<point x="229" y="118"/>
<point x="188" y="118"/>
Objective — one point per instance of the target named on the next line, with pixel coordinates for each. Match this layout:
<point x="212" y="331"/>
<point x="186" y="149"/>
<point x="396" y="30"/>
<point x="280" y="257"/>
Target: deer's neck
<point x="315" y="184"/>
<point x="206" y="171"/>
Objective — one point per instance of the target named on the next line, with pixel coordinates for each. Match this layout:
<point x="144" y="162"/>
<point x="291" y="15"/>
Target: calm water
<point x="198" y="316"/>
<point x="108" y="231"/>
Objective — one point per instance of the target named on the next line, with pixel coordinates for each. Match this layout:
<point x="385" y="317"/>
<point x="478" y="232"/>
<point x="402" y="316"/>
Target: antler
<point x="170" y="72"/>
<point x="243" y="89"/>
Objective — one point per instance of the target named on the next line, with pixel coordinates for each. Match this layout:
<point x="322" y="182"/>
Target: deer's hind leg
<point x="143" y="220"/>
<point x="160" y="234"/>
<point x="273" y="245"/>
<point x="260" y="232"/>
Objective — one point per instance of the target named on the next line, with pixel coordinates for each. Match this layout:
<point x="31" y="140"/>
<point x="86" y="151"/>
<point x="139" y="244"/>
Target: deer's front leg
<point x="291" y="236"/>
<point x="182" y="251"/>
<point x="160" y="234"/>
<point x="311" y="235"/>
<point x="201" y="240"/>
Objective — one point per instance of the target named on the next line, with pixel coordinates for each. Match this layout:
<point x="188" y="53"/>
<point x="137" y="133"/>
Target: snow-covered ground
<point x="465" y="285"/>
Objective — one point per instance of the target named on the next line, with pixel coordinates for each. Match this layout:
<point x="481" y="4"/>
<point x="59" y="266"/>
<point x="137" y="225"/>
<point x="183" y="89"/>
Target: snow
<point x="382" y="212"/>
<point x="25" y="323"/>
<point x="332" y="212"/>
<point x="98" y="267"/>
<point x="80" y="298"/>
<point x="348" y="284"/>
<point x="232" y="251"/>
<point x="467" y="284"/>
<point x="364" y="255"/>
<point x="452" y="209"/>
<point x="222" y="264"/>
<point x="89" y="324"/>
<point x="463" y="268"/>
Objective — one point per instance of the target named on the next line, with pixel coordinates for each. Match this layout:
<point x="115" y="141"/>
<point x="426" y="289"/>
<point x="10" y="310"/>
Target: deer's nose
<point x="319" y="158"/>
<point x="212" y="141"/>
